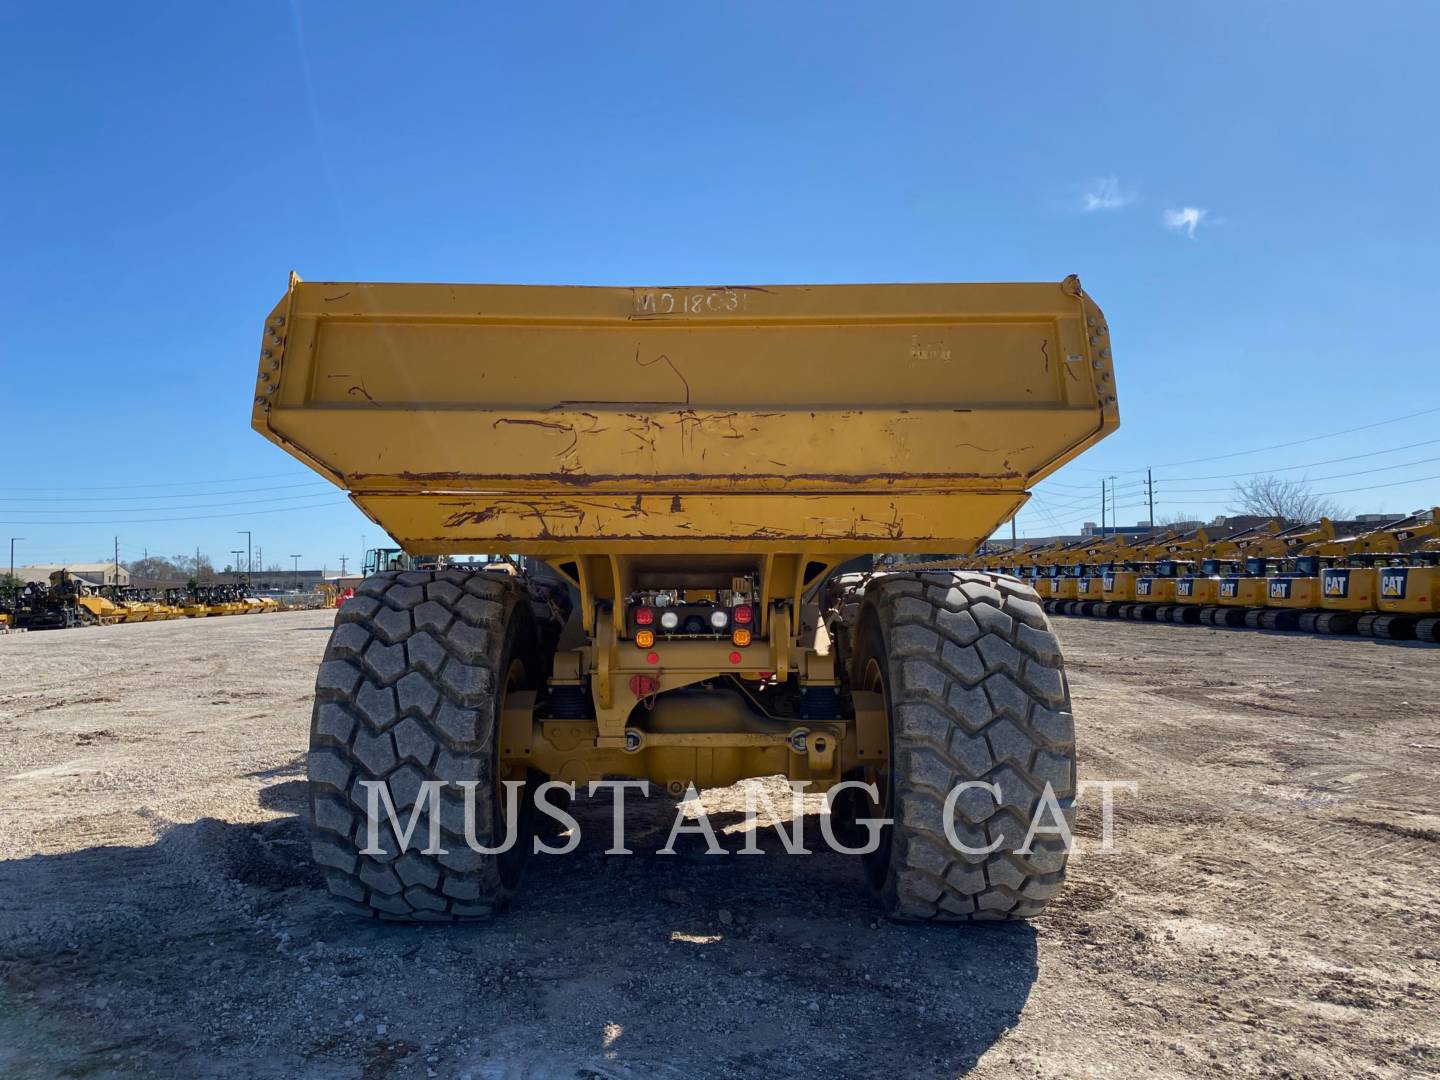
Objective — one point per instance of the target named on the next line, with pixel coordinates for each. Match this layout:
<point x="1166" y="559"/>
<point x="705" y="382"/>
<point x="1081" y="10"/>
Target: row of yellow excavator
<point x="69" y="601"/>
<point x="1379" y="582"/>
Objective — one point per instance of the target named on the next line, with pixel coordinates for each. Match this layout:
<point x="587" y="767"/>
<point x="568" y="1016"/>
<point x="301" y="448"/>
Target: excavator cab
<point x="1241" y="590"/>
<point x="381" y="560"/>
<point x="1295" y="584"/>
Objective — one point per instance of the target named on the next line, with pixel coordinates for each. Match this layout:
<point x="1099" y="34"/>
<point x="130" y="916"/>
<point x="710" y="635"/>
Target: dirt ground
<point x="1273" y="908"/>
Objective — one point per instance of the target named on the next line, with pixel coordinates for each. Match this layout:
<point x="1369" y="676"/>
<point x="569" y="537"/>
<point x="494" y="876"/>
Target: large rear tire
<point x="975" y="690"/>
<point x="411" y="690"/>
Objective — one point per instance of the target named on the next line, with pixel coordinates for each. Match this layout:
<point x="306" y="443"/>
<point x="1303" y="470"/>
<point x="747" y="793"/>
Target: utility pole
<point x="343" y="560"/>
<point x="1012" y="532"/>
<point x="1102" y="506"/>
<point x="197" y="564"/>
<point x="249" y="559"/>
<point x="117" y="562"/>
<point x="297" y="571"/>
<point x="237" y="553"/>
<point x="1150" y="490"/>
<point x="12" y="559"/>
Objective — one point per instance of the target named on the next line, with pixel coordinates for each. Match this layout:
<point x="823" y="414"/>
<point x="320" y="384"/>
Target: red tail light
<point x="644" y="616"/>
<point x="741" y="613"/>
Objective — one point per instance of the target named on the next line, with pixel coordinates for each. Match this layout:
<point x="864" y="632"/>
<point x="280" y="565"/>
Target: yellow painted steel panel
<point x="551" y="525"/>
<point x="899" y="417"/>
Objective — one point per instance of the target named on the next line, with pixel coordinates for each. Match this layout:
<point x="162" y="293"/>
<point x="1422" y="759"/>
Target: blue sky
<point x="1248" y="190"/>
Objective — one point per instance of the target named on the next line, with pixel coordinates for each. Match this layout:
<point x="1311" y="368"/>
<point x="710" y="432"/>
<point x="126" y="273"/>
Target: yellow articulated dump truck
<point x="673" y="474"/>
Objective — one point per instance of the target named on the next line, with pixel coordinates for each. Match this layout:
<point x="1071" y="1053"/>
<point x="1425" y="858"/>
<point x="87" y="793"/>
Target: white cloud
<point x="1106" y="194"/>
<point x="1186" y="220"/>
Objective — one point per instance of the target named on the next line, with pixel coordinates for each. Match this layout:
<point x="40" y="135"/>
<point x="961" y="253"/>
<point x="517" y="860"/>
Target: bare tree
<point x="1289" y="500"/>
<point x="198" y="571"/>
<point x="175" y="568"/>
<point x="154" y="568"/>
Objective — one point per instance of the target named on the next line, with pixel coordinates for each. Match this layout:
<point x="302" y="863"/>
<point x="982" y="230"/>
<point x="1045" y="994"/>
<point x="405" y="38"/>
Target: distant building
<point x="280" y="580"/>
<point x="97" y="573"/>
<point x="1140" y="528"/>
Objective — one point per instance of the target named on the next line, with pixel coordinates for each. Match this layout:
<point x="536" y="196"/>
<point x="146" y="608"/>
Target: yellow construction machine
<point x="161" y="607"/>
<point x="1323" y="587"/>
<point x="1034" y="563"/>
<point x="1117" y="574"/>
<point x="686" y="466"/>
<point x="1184" y="586"/>
<point x="1060" y="576"/>
<point x="1198" y="587"/>
<point x="129" y="603"/>
<point x="1134" y="563"/>
<point x="1247" y="586"/>
<point x="1090" y="581"/>
<point x="1285" y="587"/>
<point x="91" y="606"/>
<point x="1170" y="561"/>
<point x="1409" y="568"/>
<point x="1235" y="587"/>
<point x="1201" y="560"/>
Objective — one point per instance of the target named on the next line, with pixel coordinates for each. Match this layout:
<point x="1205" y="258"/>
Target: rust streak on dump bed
<point x="441" y="483"/>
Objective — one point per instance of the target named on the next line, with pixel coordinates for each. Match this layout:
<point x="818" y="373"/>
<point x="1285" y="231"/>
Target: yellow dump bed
<point x="545" y="420"/>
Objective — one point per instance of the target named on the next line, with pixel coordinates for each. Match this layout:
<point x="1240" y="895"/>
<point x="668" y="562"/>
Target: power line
<point x="1272" y="446"/>
<point x="1332" y="476"/>
<point x="158" y="509"/>
<point x="1067" y="502"/>
<point x="1073" y="487"/>
<point x="1168" y="482"/>
<point x="187" y="495"/>
<point x="195" y="517"/>
<point x="1319" y="494"/>
<point x="1299" y="442"/>
<point x="1088" y="487"/>
<point x="171" y="484"/>
<point x="1041" y="507"/>
<point x="1309" y="464"/>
